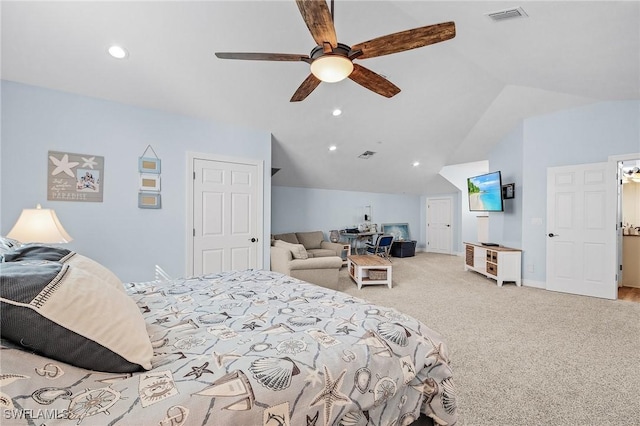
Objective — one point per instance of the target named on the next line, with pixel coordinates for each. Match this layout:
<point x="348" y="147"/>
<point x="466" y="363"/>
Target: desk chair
<point x="381" y="246"/>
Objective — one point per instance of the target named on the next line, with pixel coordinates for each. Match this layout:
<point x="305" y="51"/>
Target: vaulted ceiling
<point x="458" y="98"/>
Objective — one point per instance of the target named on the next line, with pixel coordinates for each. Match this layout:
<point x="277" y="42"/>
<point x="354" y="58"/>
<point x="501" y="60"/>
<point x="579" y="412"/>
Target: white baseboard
<point x="424" y="250"/>
<point x="536" y="284"/>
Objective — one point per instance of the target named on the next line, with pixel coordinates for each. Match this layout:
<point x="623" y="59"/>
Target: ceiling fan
<point x="331" y="61"/>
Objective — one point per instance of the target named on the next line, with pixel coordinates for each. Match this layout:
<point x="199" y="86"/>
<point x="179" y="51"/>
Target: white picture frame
<point x="149" y="182"/>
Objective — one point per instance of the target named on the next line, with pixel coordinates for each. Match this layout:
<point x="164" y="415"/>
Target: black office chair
<point x="381" y="247"/>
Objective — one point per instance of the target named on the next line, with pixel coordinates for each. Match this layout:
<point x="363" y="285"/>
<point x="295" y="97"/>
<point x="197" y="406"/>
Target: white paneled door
<point x="227" y="214"/>
<point x="439" y="219"/>
<point x="580" y="233"/>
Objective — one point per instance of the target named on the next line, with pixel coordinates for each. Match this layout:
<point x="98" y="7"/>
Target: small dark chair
<point x="381" y="246"/>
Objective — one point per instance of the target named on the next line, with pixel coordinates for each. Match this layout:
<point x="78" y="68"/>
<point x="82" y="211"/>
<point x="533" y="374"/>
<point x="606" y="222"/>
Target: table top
<point x="360" y="234"/>
<point x="494" y="248"/>
<point x="369" y="260"/>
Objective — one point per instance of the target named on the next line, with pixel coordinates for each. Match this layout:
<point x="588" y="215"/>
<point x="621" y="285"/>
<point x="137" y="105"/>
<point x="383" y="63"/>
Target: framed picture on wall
<point x="508" y="191"/>
<point x="74" y="177"/>
<point x="400" y="231"/>
<point x="149" y="200"/>
<point x="149" y="165"/>
<point x="149" y="182"/>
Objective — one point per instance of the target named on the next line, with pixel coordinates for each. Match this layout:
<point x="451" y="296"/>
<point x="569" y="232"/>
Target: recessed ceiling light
<point x="416" y="163"/>
<point x="336" y="112"/>
<point x="333" y="148"/>
<point x="117" y="52"/>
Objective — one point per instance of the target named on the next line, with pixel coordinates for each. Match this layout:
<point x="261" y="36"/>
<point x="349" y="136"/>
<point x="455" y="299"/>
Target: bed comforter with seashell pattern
<point x="247" y="348"/>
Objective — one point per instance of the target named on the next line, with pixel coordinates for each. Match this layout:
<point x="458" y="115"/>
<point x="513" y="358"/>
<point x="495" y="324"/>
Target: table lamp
<point x="39" y="226"/>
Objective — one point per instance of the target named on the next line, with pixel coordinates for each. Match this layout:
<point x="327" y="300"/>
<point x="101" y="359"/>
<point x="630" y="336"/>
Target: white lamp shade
<point x="331" y="68"/>
<point x="39" y="226"/>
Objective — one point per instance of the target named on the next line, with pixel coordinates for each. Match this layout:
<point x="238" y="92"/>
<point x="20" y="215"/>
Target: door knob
<point x="253" y="240"/>
<point x="551" y="234"/>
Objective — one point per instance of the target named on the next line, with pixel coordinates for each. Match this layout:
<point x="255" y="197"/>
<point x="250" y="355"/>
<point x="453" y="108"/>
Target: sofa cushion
<point x="310" y="240"/>
<point x="329" y="262"/>
<point x="289" y="237"/>
<point x="297" y="250"/>
<point x="321" y="252"/>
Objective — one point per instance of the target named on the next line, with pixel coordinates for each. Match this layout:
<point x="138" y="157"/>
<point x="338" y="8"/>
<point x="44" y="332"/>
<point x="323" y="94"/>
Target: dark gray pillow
<point x="37" y="252"/>
<point x="68" y="314"/>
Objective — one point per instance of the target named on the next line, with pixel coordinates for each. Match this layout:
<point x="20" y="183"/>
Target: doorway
<point x="580" y="231"/>
<point x="628" y="220"/>
<point x="439" y="229"/>
<point x="224" y="214"/>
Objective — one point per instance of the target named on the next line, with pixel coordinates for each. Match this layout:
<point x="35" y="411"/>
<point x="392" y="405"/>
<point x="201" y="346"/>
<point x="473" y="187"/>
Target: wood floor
<point x="629" y="293"/>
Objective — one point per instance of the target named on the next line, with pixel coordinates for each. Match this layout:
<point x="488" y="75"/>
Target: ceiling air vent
<point x="366" y="155"/>
<point x="503" y="15"/>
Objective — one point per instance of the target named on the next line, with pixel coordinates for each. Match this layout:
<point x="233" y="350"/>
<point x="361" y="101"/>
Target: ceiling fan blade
<point x="317" y="16"/>
<point x="406" y="40"/>
<point x="263" y="56"/>
<point x="307" y="86"/>
<point x="374" y="82"/>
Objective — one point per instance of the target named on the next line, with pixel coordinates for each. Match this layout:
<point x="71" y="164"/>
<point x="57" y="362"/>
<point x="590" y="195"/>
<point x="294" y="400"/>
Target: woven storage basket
<point x="377" y="274"/>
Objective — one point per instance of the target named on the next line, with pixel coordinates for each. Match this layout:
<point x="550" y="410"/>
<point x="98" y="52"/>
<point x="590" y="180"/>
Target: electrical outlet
<point x="530" y="267"/>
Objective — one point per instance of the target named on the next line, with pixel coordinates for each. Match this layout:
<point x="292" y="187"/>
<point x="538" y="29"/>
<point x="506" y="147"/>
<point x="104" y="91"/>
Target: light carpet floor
<point x="520" y="355"/>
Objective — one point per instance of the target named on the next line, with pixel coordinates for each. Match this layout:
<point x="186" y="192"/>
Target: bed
<point x="236" y="348"/>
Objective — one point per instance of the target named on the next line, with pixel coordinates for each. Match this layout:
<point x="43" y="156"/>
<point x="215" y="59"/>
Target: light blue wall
<point x="304" y="209"/>
<point x="118" y="234"/>
<point x="130" y="240"/>
<point x="582" y="135"/>
<point x="506" y="227"/>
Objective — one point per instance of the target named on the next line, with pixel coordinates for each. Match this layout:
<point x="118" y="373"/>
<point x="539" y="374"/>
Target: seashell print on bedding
<point x="303" y="321"/>
<point x="394" y="333"/>
<point x="274" y="373"/>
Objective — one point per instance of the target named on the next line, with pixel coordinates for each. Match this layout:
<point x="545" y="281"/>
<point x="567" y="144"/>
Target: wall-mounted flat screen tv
<point x="485" y="192"/>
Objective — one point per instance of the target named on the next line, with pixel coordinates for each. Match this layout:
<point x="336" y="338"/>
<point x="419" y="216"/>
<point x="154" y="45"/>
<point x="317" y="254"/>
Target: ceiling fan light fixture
<point x="331" y="68"/>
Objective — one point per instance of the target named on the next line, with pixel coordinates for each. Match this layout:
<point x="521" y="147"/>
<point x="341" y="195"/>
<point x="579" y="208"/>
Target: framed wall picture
<point x="149" y="182"/>
<point x="149" y="200"/>
<point x="149" y="165"/>
<point x="508" y="191"/>
<point x="74" y="177"/>
<point x="400" y="231"/>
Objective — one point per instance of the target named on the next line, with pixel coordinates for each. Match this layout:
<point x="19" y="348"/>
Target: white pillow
<point x="96" y="269"/>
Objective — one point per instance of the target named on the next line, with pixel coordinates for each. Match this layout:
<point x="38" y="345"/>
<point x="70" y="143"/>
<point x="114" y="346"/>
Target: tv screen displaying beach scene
<point x="485" y="192"/>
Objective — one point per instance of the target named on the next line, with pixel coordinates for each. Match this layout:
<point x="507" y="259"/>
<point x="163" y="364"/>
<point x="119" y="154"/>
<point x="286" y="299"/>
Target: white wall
<point x="126" y="239"/>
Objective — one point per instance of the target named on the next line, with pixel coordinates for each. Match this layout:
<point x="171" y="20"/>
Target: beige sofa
<point x="313" y="242"/>
<point x="308" y="257"/>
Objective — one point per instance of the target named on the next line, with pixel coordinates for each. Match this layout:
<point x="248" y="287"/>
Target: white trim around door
<point x="247" y="226"/>
<point x="439" y="227"/>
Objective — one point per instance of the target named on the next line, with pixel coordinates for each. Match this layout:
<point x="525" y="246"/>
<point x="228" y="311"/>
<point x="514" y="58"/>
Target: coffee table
<point x="369" y="269"/>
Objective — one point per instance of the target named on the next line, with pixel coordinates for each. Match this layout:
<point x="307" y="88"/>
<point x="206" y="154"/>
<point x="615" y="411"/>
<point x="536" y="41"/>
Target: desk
<point x="357" y="238"/>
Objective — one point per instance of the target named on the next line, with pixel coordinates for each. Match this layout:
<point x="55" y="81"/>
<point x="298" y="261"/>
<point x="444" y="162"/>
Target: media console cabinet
<point x="495" y="262"/>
